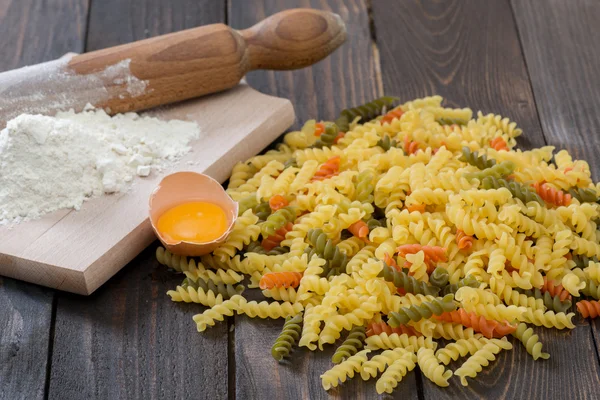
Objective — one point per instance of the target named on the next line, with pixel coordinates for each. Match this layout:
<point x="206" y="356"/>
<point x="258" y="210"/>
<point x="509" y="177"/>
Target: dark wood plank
<point x="31" y="32"/>
<point x="128" y="340"/>
<point x="346" y="78"/>
<point x="469" y="52"/>
<point x="560" y="43"/>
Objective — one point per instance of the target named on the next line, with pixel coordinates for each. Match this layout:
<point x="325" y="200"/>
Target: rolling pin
<point x="170" y="68"/>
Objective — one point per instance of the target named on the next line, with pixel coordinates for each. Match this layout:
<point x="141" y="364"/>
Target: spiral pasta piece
<point x="353" y="343"/>
<point x="519" y="191"/>
<point x="288" y="337"/>
<point x="384" y="341"/>
<point x="432" y="369"/>
<point x="464" y="241"/>
<point x="489" y="328"/>
<point x="552" y="195"/>
<point x="406" y="282"/>
<point x="366" y="112"/>
<point x="341" y="372"/>
<point x="480" y="359"/>
<point x="328" y="169"/>
<point x="280" y="280"/>
<point x="530" y="341"/>
<point x="395" y="372"/>
<point x="549" y="319"/>
<point x="460" y="348"/>
<point x="277" y="220"/>
<point x="589" y="309"/>
<point x="377" y="328"/>
<point x="424" y="310"/>
<point x="476" y="160"/>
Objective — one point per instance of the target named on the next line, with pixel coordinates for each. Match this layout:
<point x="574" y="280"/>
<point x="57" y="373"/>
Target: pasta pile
<point x="388" y="230"/>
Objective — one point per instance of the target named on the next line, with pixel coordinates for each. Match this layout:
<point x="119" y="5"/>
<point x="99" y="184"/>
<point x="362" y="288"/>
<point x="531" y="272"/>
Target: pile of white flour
<point x="49" y="163"/>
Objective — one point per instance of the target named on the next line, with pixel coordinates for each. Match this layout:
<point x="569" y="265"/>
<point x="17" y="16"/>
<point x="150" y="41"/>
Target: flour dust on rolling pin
<point x="52" y="86"/>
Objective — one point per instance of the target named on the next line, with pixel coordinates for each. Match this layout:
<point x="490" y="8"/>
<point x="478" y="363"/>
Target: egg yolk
<point x="196" y="221"/>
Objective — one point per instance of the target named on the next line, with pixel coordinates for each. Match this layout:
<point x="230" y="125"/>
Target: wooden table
<point x="535" y="61"/>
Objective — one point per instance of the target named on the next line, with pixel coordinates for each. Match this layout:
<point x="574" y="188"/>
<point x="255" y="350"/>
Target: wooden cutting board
<point x="77" y="251"/>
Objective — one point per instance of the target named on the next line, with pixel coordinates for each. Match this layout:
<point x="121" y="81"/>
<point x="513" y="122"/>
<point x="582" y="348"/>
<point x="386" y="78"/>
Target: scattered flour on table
<point x="49" y="163"/>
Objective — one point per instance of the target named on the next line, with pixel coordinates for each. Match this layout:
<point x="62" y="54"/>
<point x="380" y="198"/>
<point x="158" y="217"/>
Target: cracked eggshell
<point x="183" y="187"/>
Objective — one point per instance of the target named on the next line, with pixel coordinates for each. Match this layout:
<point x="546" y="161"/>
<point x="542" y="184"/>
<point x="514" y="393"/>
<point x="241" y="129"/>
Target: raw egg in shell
<point x="191" y="213"/>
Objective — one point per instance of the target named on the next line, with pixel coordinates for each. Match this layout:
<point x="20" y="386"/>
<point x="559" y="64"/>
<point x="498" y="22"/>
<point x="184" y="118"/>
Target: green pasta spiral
<point x="353" y="344"/>
<point x="499" y="170"/>
<point x="583" y="261"/>
<point x="551" y="303"/>
<point x="374" y="223"/>
<point x="584" y="195"/>
<point x="247" y="203"/>
<point x="328" y="136"/>
<point x="424" y="310"/>
<point x="278" y="219"/>
<point x="227" y="291"/>
<point x="262" y="211"/>
<point x="451" y="121"/>
<point x="439" y="277"/>
<point x="468" y="280"/>
<point x="591" y="289"/>
<point x="386" y="143"/>
<point x="287" y="338"/>
<point x="256" y="247"/>
<point x="365" y="186"/>
<point x="530" y="341"/>
<point x="519" y="191"/>
<point x="324" y="247"/>
<point x="476" y="160"/>
<point x="406" y="282"/>
<point x="366" y="112"/>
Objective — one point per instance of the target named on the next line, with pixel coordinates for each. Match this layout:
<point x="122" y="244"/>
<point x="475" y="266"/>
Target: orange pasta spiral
<point x="489" y="328"/>
<point x="555" y="290"/>
<point x="275" y="240"/>
<point x="280" y="280"/>
<point x="589" y="309"/>
<point x="432" y="253"/>
<point x="389" y="117"/>
<point x="498" y="144"/>
<point x="338" y="137"/>
<point x="464" y="241"/>
<point x="278" y="201"/>
<point x="319" y="128"/>
<point x="410" y="147"/>
<point x="416" y="207"/>
<point x="328" y="169"/>
<point x="376" y="328"/>
<point x="359" y="229"/>
<point x="552" y="195"/>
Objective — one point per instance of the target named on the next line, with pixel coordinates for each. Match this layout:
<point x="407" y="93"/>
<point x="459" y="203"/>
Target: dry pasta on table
<point x="392" y="228"/>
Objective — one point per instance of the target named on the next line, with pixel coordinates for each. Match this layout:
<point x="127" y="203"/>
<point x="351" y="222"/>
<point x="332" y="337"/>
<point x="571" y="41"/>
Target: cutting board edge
<point x="48" y="275"/>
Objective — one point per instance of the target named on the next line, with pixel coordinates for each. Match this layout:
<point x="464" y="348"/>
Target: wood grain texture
<point x="566" y="88"/>
<point x="25" y="309"/>
<point x="207" y="59"/>
<point x="129" y="340"/>
<point x="560" y="43"/>
<point x="469" y="52"/>
<point x="347" y="78"/>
